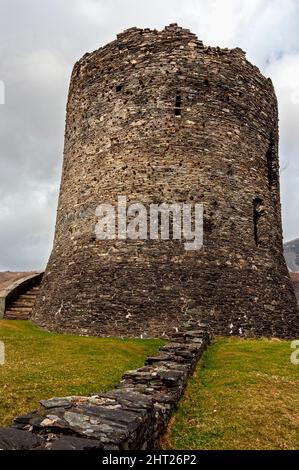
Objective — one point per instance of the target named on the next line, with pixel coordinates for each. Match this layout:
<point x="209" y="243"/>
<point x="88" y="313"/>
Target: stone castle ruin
<point x="158" y="117"/>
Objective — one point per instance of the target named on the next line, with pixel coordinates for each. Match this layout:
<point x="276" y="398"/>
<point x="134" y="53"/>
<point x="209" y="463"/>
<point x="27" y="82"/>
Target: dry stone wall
<point x="131" y="417"/>
<point x="157" y="117"/>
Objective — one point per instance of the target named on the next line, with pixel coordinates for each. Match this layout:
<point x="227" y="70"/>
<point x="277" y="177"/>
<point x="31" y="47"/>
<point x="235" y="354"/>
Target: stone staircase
<point x="21" y="307"/>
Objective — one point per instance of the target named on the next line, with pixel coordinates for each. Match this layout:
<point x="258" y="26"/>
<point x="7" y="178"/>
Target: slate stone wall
<point x="131" y="417"/>
<point x="159" y="117"/>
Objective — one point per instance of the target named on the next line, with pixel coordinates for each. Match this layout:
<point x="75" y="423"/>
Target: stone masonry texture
<point x="157" y="117"/>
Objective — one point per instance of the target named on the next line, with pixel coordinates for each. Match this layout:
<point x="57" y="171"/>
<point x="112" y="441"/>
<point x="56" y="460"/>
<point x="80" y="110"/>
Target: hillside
<point x="291" y="254"/>
<point x="295" y="280"/>
<point x="8" y="277"/>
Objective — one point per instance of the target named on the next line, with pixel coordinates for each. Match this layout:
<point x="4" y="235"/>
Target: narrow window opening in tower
<point x="258" y="212"/>
<point x="271" y="162"/>
<point x="171" y="231"/>
<point x="208" y="226"/>
<point x="118" y="88"/>
<point x="178" y="105"/>
<point x="230" y="171"/>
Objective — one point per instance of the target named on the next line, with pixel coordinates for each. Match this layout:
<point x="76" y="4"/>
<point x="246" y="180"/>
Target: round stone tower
<point x="160" y="118"/>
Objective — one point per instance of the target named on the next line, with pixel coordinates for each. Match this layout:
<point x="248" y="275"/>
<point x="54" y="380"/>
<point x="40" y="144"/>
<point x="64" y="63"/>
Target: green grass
<point x="244" y="395"/>
<point x="40" y="365"/>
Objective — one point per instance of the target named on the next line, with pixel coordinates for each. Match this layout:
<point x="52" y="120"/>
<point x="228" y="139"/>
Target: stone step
<point x="20" y="304"/>
<point x="26" y="299"/>
<point x="20" y="309"/>
<point x="21" y="299"/>
<point x="14" y="315"/>
<point x="27" y="296"/>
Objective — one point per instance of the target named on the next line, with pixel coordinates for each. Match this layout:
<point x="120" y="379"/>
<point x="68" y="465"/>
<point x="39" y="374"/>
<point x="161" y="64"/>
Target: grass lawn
<point x="244" y="395"/>
<point x="40" y="365"/>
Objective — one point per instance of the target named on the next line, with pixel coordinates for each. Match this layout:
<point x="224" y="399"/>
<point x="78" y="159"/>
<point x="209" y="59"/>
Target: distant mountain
<point x="291" y="254"/>
<point x="295" y="280"/>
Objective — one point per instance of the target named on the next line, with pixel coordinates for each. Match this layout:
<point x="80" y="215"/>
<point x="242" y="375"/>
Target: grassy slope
<point x="41" y="365"/>
<point x="244" y="395"/>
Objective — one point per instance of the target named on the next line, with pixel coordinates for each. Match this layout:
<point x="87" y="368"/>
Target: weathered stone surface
<point x="31" y="419"/>
<point x="56" y="403"/>
<point x="159" y="117"/>
<point x="74" y="443"/>
<point x="129" y="399"/>
<point x="15" y="439"/>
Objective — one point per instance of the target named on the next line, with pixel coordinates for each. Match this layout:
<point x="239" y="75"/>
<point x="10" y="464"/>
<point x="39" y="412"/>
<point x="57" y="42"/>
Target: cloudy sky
<point x="39" y="43"/>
